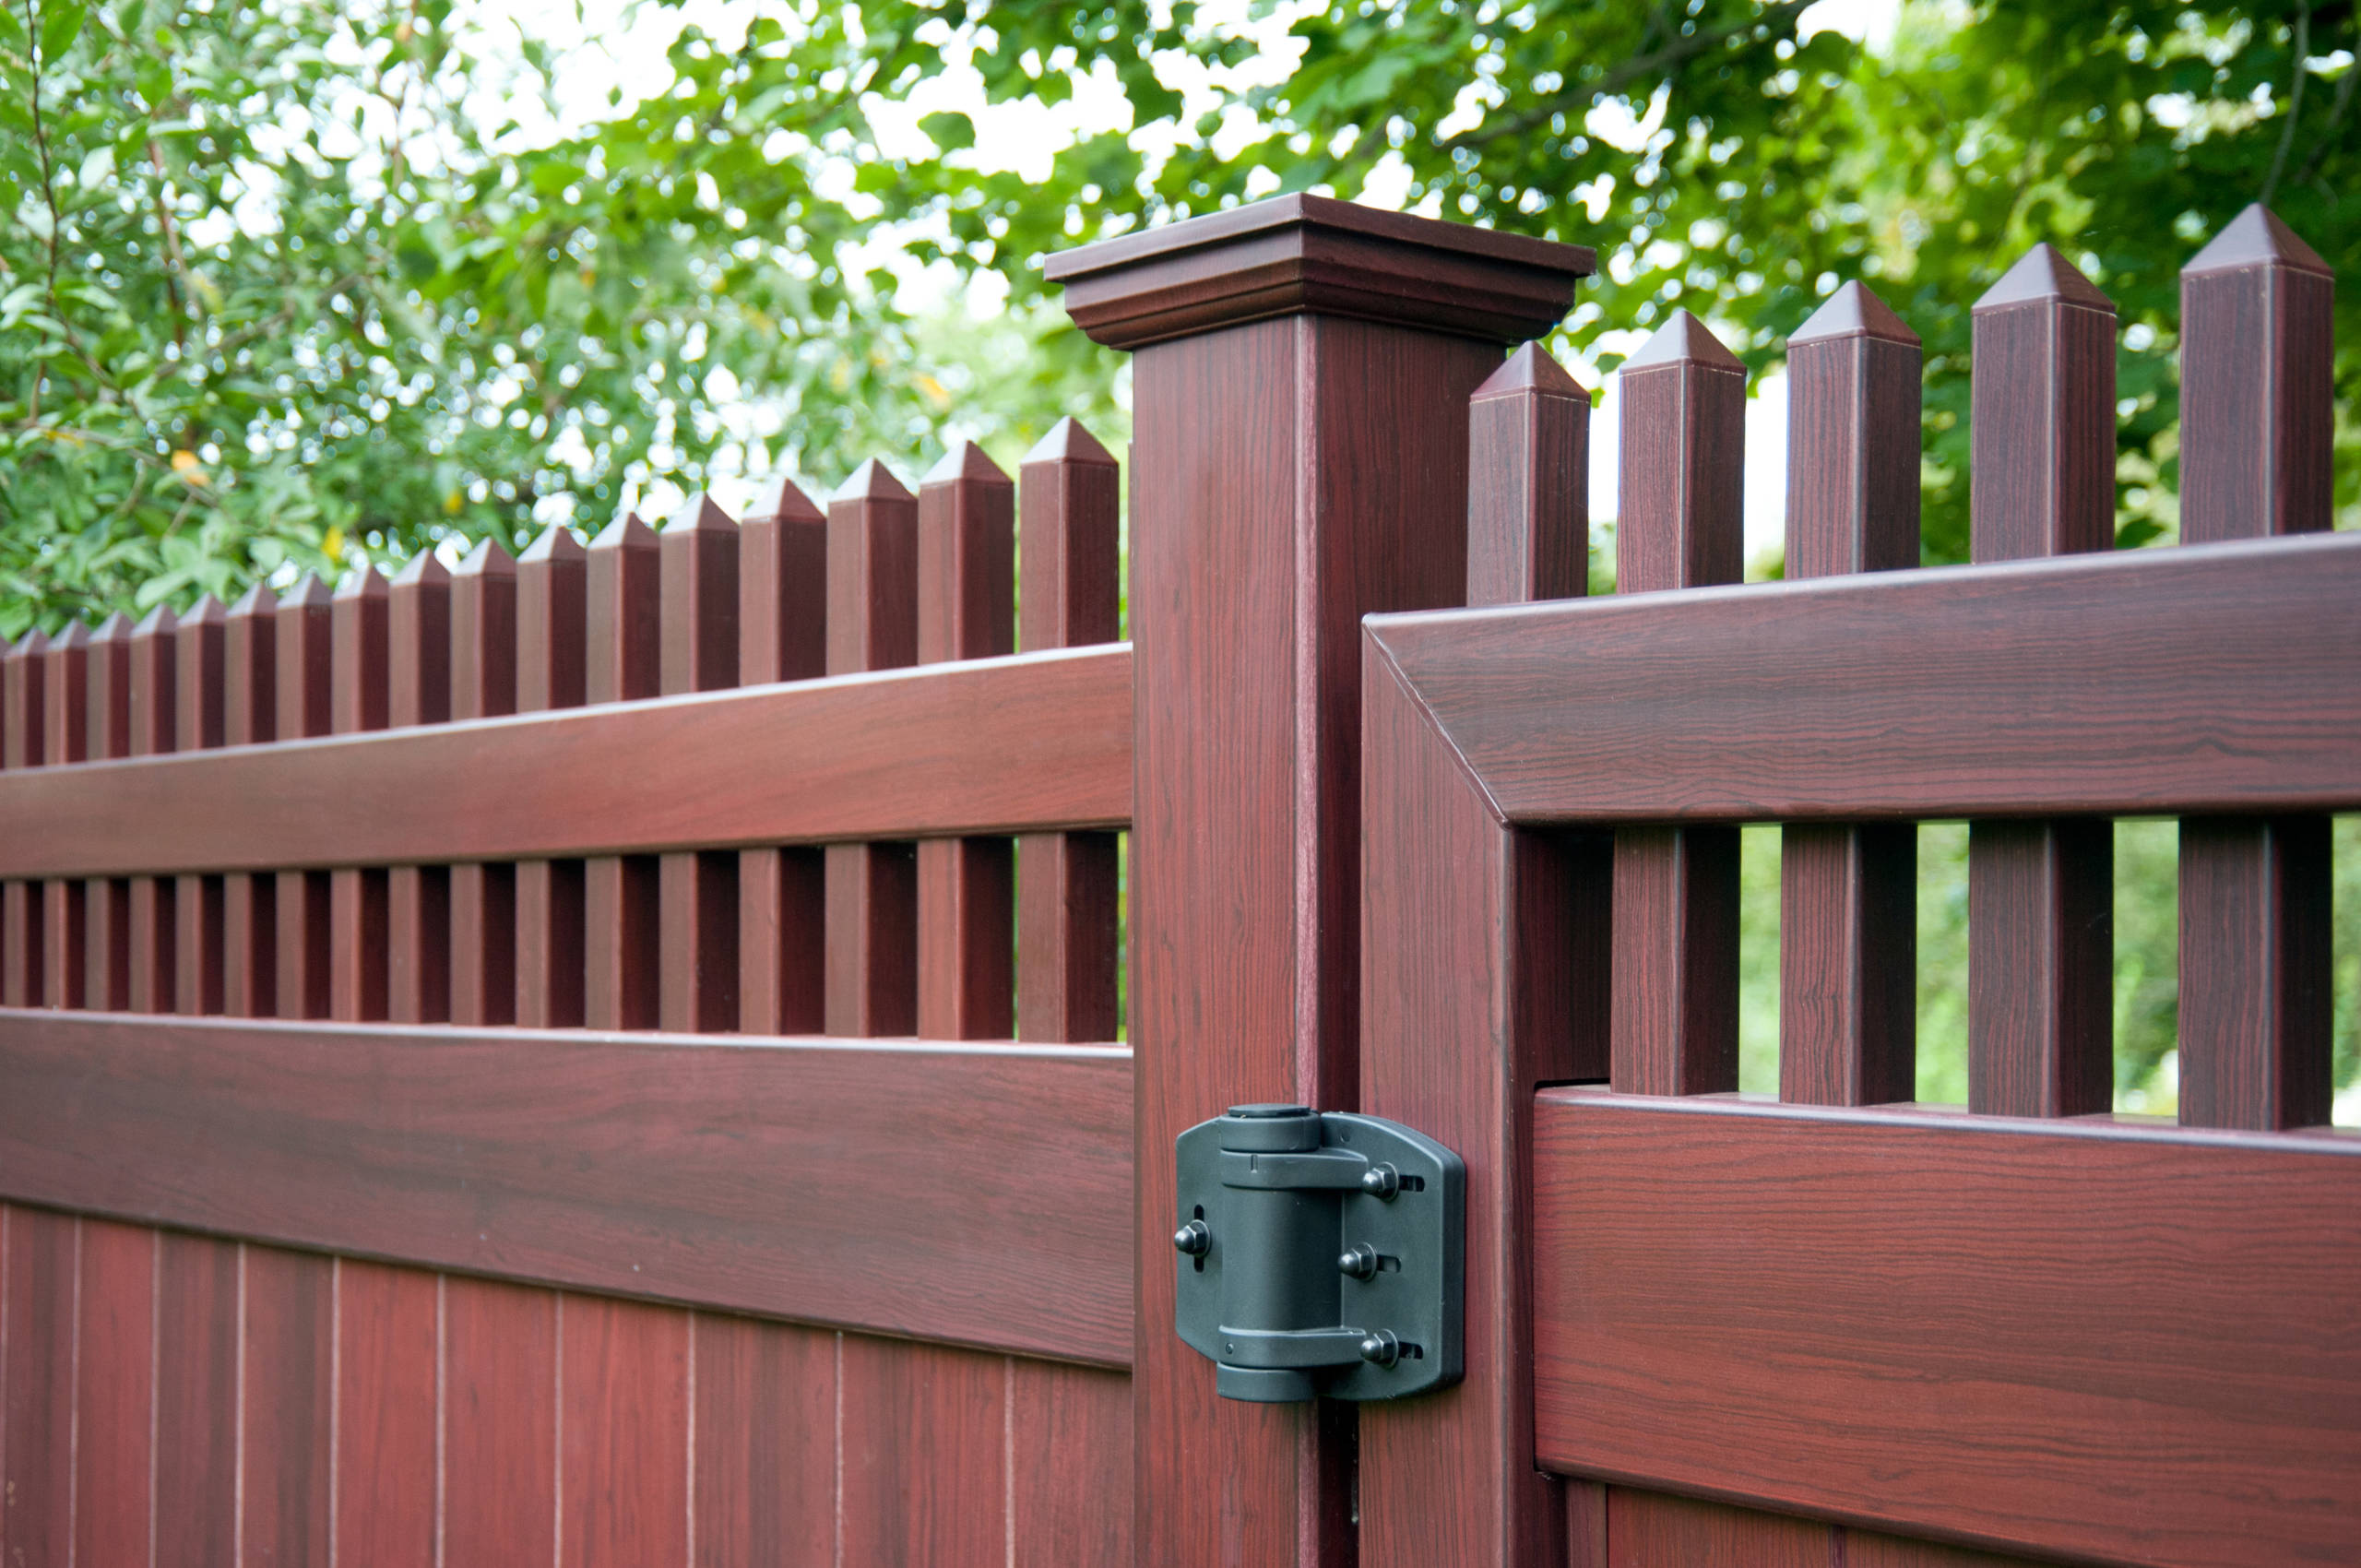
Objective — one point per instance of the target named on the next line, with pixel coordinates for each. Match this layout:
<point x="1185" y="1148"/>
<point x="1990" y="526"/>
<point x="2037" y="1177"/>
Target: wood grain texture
<point x="1456" y="946"/>
<point x="624" y="1433"/>
<point x="966" y="609"/>
<point x="2256" y="989"/>
<point x="115" y="1396"/>
<point x="1647" y="1530"/>
<point x="250" y="904"/>
<point x="23" y="734"/>
<point x="924" y="1190"/>
<point x="1288" y="477"/>
<point x="418" y="898"/>
<point x="286" y="1405"/>
<point x="500" y="1422"/>
<point x="1528" y="466"/>
<point x="1847" y="1025"/>
<point x="782" y="636"/>
<point x="387" y="1476"/>
<point x="2041" y="894"/>
<point x="551" y="656"/>
<point x="1069" y="496"/>
<point x="1293" y="254"/>
<point x="358" y="702"/>
<point x="1035" y="740"/>
<point x="2121" y="685"/>
<point x="107" y="900"/>
<point x="484" y="648"/>
<point x="196" y="1402"/>
<point x="36" y="1395"/>
<point x="1970" y="1328"/>
<point x="1069" y="1466"/>
<point x="1674" y="1014"/>
<point x="766" y="1440"/>
<point x="923" y="1449"/>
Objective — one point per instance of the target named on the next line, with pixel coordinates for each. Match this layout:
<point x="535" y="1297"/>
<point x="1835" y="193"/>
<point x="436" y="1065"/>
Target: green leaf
<point x="60" y="24"/>
<point x="950" y="132"/>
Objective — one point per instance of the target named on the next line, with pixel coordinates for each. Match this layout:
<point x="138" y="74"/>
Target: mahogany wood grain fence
<point x="616" y="1056"/>
<point x="2026" y="1324"/>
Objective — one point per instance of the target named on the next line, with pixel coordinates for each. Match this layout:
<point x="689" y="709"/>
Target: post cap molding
<point x="1307" y="255"/>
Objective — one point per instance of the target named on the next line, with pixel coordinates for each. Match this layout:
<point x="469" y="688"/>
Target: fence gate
<point x="614" y="1056"/>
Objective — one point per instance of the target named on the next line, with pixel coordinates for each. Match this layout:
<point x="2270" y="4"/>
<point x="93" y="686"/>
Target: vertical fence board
<point x="388" y="1339"/>
<point x="1849" y="895"/>
<point x="198" y="1313"/>
<point x="925" y="1450"/>
<point x="624" y="629"/>
<point x="358" y="702"/>
<point x="1528" y="464"/>
<point x="870" y="980"/>
<point x="305" y="648"/>
<point x="2258" y="413"/>
<point x="288" y="1376"/>
<point x="1068" y="883"/>
<point x="155" y="728"/>
<point x="623" y="1444"/>
<point x="1070" y="1467"/>
<point x="37" y="1386"/>
<point x="697" y="976"/>
<point x="66" y="709"/>
<point x="483" y="686"/>
<point x="1674" y="1017"/>
<point x="418" y="898"/>
<point x="2041" y="894"/>
<point x="115" y="1396"/>
<point x="967" y="589"/>
<point x="766" y="1444"/>
<point x="200" y="664"/>
<point x="23" y="734"/>
<point x="106" y="942"/>
<point x="782" y="636"/>
<point x="250" y="901"/>
<point x="551" y="604"/>
<point x="499" y="1423"/>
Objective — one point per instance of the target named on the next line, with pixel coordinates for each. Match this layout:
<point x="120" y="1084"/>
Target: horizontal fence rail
<point x="1017" y="744"/>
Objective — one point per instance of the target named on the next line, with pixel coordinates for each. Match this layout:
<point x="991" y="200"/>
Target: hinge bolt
<point x="1380" y="1181"/>
<point x="1360" y="1261"/>
<point x="1193" y="1240"/>
<point x="1381" y="1348"/>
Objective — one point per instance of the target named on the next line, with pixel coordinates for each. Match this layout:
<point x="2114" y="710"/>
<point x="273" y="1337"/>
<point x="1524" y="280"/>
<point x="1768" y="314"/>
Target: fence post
<point x="1301" y="375"/>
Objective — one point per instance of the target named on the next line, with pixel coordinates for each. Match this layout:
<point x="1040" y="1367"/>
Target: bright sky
<point x="619" y="46"/>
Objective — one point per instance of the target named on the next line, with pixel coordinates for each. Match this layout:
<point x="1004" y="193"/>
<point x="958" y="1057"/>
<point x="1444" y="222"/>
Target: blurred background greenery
<point x="287" y="286"/>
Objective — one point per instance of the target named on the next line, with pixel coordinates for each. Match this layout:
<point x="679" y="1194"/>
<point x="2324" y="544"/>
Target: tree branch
<point x="1779" y="19"/>
<point x="2294" y="101"/>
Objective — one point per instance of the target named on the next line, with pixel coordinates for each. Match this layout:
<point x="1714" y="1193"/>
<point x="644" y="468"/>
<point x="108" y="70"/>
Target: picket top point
<point x="488" y="559"/>
<point x="781" y="500"/>
<point x="557" y="543"/>
<point x="368" y="583"/>
<point x="1684" y="339"/>
<point x="699" y="515"/>
<point x="1530" y="369"/>
<point x="2042" y="276"/>
<point x="626" y="532"/>
<point x="2256" y="238"/>
<point x="1069" y="441"/>
<point x="871" y="482"/>
<point x="423" y="570"/>
<point x="115" y="629"/>
<point x="157" y="622"/>
<point x="964" y="460"/>
<point x="207" y="612"/>
<point x="76" y="634"/>
<point x="1853" y="310"/>
<point x="257" y="601"/>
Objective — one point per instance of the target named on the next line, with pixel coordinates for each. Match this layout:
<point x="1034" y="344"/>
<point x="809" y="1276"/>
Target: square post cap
<point x="1308" y="255"/>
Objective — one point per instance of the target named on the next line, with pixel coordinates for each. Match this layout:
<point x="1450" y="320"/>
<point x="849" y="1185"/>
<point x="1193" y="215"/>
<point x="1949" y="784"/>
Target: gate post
<point x="1301" y="374"/>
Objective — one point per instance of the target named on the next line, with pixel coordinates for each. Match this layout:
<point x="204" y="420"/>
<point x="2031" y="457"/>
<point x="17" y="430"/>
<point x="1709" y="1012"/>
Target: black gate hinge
<point x="1319" y="1253"/>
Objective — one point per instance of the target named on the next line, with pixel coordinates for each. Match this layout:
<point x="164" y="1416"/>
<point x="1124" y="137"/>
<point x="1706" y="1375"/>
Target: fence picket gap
<point x="2041" y="894"/>
<point x="697" y="984"/>
<point x="1069" y="514"/>
<point x="782" y="636"/>
<point x="250" y="900"/>
<point x="107" y="919"/>
<point x="2258" y="413"/>
<point x="551" y="605"/>
<point x="623" y="627"/>
<point x="305" y="646"/>
<point x="1848" y="894"/>
<point x="872" y="976"/>
<point x="1673" y="1018"/>
<point x="966" y="609"/>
